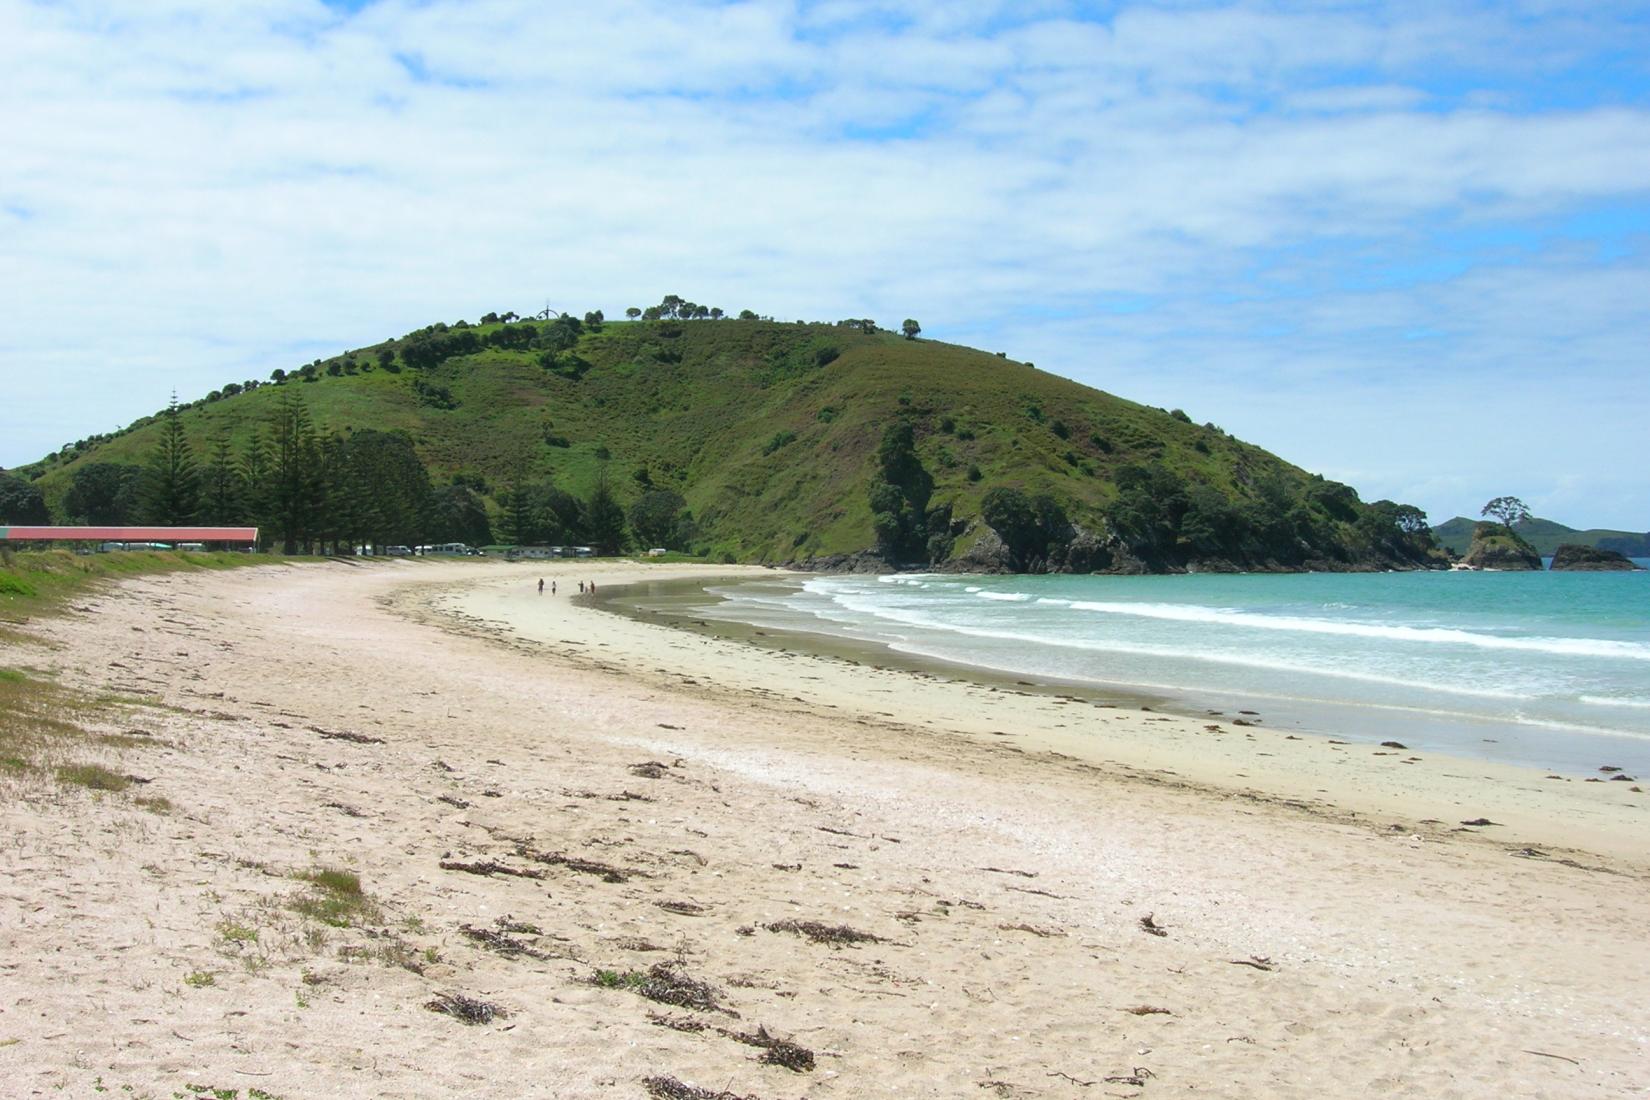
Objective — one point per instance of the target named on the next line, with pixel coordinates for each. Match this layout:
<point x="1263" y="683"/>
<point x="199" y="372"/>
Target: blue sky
<point x="1406" y="245"/>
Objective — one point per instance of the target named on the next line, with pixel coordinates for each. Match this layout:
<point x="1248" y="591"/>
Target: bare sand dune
<point x="651" y="867"/>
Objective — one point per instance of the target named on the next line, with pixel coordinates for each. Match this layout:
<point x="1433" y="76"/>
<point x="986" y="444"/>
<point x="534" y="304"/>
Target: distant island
<point x="836" y="445"/>
<point x="1546" y="536"/>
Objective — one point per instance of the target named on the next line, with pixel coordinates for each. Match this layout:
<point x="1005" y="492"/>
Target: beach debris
<point x="606" y="872"/>
<point x="504" y="945"/>
<point x="650" y="769"/>
<point x="345" y="735"/>
<point x="1623" y="778"/>
<point x="488" y="867"/>
<point x="1608" y="768"/>
<point x="684" y="908"/>
<point x="451" y="801"/>
<point x="442" y="765"/>
<point x="1480" y="821"/>
<point x="668" y="984"/>
<point x="1212" y="727"/>
<point x="345" y="809"/>
<point x="668" y="726"/>
<point x="1010" y="871"/>
<point x="1136" y="1076"/>
<point x="669" y="1088"/>
<point x="1248" y="712"/>
<point x="691" y="854"/>
<point x="1073" y="1080"/>
<point x="636" y="943"/>
<point x="517" y="927"/>
<point x="1241" y="722"/>
<point x="1560" y="1057"/>
<point x="1393" y="745"/>
<point x="469" y="1010"/>
<point x="776" y="1051"/>
<point x="1045" y="933"/>
<point x="676" y="1023"/>
<point x="1257" y="962"/>
<point x="1148" y="1010"/>
<point x="1147" y="924"/>
<point x="837" y="935"/>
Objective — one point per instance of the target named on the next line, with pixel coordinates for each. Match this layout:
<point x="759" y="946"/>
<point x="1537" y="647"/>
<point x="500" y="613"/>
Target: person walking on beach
<point x="541" y="586"/>
<point x="581" y="588"/>
<point x="552" y="588"/>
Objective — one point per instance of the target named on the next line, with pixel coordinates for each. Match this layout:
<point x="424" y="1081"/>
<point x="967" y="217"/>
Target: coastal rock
<point x="1577" y="558"/>
<point x="988" y="554"/>
<point x="1497" y="547"/>
<point x="861" y="561"/>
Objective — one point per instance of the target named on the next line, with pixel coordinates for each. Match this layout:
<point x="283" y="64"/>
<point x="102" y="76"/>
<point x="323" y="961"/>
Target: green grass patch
<point x="335" y="898"/>
<point x="41" y="582"/>
<point x="619" y="979"/>
<point x="94" y="777"/>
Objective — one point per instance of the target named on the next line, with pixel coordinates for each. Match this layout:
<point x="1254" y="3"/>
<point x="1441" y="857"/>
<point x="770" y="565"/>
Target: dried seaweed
<point x="606" y="872"/>
<point x="489" y="867"/>
<point x="668" y="984"/>
<point x="345" y="735"/>
<point x="837" y="935"/>
<point x="676" y="1023"/>
<point x="466" y="1009"/>
<point x="1147" y="924"/>
<point x="508" y="946"/>
<point x="685" y="908"/>
<point x="776" y="1051"/>
<point x="669" y="1088"/>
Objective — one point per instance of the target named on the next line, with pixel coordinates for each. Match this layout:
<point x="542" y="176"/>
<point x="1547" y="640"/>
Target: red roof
<point x="133" y="534"/>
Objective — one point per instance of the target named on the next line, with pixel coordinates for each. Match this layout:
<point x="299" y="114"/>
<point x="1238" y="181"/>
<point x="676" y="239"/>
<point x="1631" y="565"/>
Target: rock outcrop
<point x="1574" y="557"/>
<point x="1496" y="547"/>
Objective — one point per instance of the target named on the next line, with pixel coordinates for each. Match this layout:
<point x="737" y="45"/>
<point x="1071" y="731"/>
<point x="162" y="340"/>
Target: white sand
<point x="1007" y="882"/>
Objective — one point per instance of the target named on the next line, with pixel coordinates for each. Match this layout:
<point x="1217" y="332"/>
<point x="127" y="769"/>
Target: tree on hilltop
<point x="910" y="328"/>
<point x="1508" y="510"/>
<point x="633" y="312"/>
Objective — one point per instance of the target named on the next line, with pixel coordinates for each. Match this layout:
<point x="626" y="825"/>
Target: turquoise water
<point x="1547" y="669"/>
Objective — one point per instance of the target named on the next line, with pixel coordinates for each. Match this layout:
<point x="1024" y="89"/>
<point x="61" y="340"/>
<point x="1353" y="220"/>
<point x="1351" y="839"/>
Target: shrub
<point x="780" y="439"/>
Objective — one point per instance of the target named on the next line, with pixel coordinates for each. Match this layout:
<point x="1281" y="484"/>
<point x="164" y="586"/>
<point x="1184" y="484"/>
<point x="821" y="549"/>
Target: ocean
<point x="1550" y="670"/>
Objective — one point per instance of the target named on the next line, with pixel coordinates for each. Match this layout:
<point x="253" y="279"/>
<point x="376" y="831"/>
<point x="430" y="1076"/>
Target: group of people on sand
<point x="584" y="587"/>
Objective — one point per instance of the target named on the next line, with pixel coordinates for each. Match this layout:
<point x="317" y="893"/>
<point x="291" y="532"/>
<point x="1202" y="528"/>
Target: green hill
<point x="770" y="433"/>
<point x="1546" y="536"/>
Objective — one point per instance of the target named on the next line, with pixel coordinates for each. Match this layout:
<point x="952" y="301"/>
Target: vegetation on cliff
<point x="735" y="439"/>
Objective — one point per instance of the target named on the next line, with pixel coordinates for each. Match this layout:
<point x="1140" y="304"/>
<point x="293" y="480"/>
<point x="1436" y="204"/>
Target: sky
<point x="1404" y="245"/>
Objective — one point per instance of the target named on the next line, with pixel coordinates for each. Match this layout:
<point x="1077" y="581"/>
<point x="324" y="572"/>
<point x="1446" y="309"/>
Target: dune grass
<point x="43" y="582"/>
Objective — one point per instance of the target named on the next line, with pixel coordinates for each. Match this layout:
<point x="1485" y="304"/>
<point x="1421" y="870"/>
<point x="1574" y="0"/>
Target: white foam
<point x="1193" y="613"/>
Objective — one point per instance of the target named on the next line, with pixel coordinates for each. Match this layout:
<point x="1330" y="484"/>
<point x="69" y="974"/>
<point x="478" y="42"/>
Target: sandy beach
<point x="657" y="854"/>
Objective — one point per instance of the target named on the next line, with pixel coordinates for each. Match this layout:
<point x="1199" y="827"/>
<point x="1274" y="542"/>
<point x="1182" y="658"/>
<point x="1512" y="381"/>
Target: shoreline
<point x="1428" y="795"/>
<point x="1449" y="734"/>
<point x="569" y="829"/>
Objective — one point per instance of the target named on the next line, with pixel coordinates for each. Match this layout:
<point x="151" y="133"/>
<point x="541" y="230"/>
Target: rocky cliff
<point x="1571" y="556"/>
<point x="1496" y="547"/>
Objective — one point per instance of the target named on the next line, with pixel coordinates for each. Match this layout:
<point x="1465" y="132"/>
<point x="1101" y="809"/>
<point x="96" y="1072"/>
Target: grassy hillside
<point x="768" y="430"/>
<point x="1546" y="536"/>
